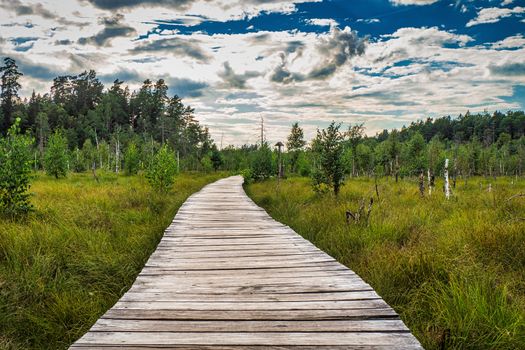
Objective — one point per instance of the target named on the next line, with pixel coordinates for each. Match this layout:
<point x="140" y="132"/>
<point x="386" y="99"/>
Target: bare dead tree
<point x="376" y="187"/>
<point x="421" y="184"/>
<point x="360" y="215"/>
<point x="94" y="170"/>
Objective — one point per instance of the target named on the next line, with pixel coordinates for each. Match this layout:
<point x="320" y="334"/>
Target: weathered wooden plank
<point x="289" y="305"/>
<point x="229" y="274"/>
<point x="261" y="271"/>
<point x="240" y="257"/>
<point x="237" y="347"/>
<point x="260" y="297"/>
<point x="225" y="275"/>
<point x="290" y="281"/>
<point x="232" y="265"/>
<point x="275" y="338"/>
<point x="116" y="325"/>
<point x="193" y="255"/>
<point x="321" y="314"/>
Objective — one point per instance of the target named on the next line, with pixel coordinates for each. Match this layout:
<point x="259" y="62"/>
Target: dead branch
<point x="94" y="168"/>
<point x="517" y="195"/>
<point x="360" y="215"/>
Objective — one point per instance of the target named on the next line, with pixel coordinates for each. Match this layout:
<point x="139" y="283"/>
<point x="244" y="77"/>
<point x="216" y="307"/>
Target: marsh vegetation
<point x="79" y="249"/>
<point x="453" y="269"/>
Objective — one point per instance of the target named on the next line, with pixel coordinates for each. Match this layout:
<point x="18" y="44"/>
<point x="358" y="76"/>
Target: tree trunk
<point x="447" y="185"/>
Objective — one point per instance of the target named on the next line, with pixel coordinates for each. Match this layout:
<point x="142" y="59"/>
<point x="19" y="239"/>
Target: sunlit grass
<point x="63" y="266"/>
<point x="454" y="270"/>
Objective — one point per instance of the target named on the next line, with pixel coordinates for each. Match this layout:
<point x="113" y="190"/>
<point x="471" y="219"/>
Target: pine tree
<point x="295" y="144"/>
<point x="9" y="93"/>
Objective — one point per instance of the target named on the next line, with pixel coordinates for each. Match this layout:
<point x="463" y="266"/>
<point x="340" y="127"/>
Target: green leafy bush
<point x="329" y="146"/>
<point x="262" y="165"/>
<point x="206" y="164"/>
<point x="131" y="159"/>
<point x="56" y="155"/>
<point x="15" y="172"/>
<point x="78" y="162"/>
<point x="319" y="182"/>
<point x="247" y="175"/>
<point x="162" y="170"/>
<point x="216" y="158"/>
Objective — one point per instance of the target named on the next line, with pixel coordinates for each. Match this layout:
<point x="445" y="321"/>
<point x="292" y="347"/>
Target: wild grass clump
<point x="80" y="249"/>
<point x="453" y="269"/>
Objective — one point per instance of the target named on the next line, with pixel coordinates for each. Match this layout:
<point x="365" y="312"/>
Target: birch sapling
<point x="422" y="184"/>
<point x="429" y="185"/>
<point x="447" y="184"/>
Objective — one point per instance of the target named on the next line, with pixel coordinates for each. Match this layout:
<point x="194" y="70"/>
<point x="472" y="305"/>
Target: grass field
<point x="454" y="270"/>
<point x="78" y="252"/>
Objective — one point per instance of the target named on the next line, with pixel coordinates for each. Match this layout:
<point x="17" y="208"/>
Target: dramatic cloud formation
<point x="219" y="10"/>
<point x="112" y="29"/>
<point x="385" y="63"/>
<point x="174" y="46"/>
<point x="333" y="52"/>
<point x="236" y="80"/>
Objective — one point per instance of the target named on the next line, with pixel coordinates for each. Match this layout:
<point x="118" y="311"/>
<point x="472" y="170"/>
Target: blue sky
<point x="382" y="62"/>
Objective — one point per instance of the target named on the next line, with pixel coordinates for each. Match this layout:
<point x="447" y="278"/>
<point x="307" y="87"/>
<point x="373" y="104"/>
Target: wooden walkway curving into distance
<point x="227" y="276"/>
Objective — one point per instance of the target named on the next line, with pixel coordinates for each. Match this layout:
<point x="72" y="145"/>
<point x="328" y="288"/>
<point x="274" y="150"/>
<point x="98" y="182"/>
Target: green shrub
<point x="247" y="175"/>
<point x="329" y="146"/>
<point x="262" y="165"/>
<point x="131" y="159"/>
<point x="56" y="155"/>
<point x="216" y="159"/>
<point x="319" y="182"/>
<point x="78" y="162"/>
<point x="303" y="166"/>
<point x="206" y="164"/>
<point x="89" y="153"/>
<point x="15" y="172"/>
<point x="162" y="170"/>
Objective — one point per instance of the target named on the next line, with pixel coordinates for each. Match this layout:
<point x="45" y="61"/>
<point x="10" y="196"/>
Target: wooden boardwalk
<point x="227" y="276"/>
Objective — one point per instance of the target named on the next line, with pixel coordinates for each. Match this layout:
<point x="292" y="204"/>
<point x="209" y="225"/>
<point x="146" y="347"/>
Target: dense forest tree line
<point x="118" y="129"/>
<point x="99" y="124"/>
<point x="475" y="144"/>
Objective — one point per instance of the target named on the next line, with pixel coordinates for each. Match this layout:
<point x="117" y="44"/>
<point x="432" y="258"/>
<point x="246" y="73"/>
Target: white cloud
<point x="220" y="10"/>
<point x="506" y="2"/>
<point x="409" y="74"/>
<point x="323" y="22"/>
<point x="369" y="20"/>
<point x="413" y="2"/>
<point x="494" y="14"/>
<point x="511" y="42"/>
